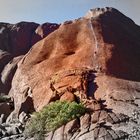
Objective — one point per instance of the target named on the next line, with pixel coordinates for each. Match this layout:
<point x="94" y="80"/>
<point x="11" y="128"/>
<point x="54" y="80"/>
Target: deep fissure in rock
<point x="91" y="86"/>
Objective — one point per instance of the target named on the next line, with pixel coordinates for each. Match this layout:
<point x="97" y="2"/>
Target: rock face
<point x="42" y="31"/>
<point x="16" y="38"/>
<point x="15" y="41"/>
<point x="94" y="59"/>
<point x="103" y="44"/>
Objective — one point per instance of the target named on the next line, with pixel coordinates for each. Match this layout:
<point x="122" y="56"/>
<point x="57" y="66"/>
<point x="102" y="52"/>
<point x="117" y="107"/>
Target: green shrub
<point x="4" y="99"/>
<point x="53" y="116"/>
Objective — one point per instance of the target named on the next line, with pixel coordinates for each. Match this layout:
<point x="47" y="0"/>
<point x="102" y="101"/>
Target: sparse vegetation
<point x="51" y="117"/>
<point x="4" y="99"/>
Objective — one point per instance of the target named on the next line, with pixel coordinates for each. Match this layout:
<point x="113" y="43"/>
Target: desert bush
<point x="4" y="99"/>
<point x="52" y="117"/>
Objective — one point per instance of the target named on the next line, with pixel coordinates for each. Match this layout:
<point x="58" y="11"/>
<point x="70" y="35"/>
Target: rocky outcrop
<point x="91" y="43"/>
<point x="7" y="75"/>
<point x="15" y="41"/>
<point x="93" y="60"/>
<point x="42" y="31"/>
<point x="18" y="38"/>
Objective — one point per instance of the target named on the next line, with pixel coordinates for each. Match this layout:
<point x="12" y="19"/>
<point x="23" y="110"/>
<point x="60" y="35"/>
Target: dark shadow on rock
<point x="91" y="86"/>
<point x="123" y="46"/>
<point x="5" y="87"/>
<point x="27" y="106"/>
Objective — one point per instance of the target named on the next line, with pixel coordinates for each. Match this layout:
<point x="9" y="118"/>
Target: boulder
<point x="67" y="96"/>
<point x="11" y="131"/>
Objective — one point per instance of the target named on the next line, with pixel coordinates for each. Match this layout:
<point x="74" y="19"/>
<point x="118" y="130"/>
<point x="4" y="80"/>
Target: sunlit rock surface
<point x="95" y="60"/>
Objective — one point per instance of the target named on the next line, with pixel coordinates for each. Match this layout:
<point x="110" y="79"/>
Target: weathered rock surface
<point x="103" y="44"/>
<point x="7" y="75"/>
<point x="94" y="59"/>
<point x="42" y="31"/>
<point x="15" y="41"/>
<point x="18" y="38"/>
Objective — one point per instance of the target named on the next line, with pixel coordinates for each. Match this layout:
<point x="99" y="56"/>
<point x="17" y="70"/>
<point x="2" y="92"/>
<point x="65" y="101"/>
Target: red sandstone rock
<point x="42" y="31"/>
<point x="100" y="42"/>
<point x="16" y="40"/>
<point x="67" y="96"/>
<point x="94" y="57"/>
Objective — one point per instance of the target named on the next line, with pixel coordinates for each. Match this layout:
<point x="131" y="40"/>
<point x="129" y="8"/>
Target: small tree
<point x="52" y="117"/>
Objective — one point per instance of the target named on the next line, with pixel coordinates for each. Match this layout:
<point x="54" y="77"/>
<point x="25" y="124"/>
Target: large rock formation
<point x="102" y="43"/>
<point x="94" y="59"/>
<point x="16" y="40"/>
